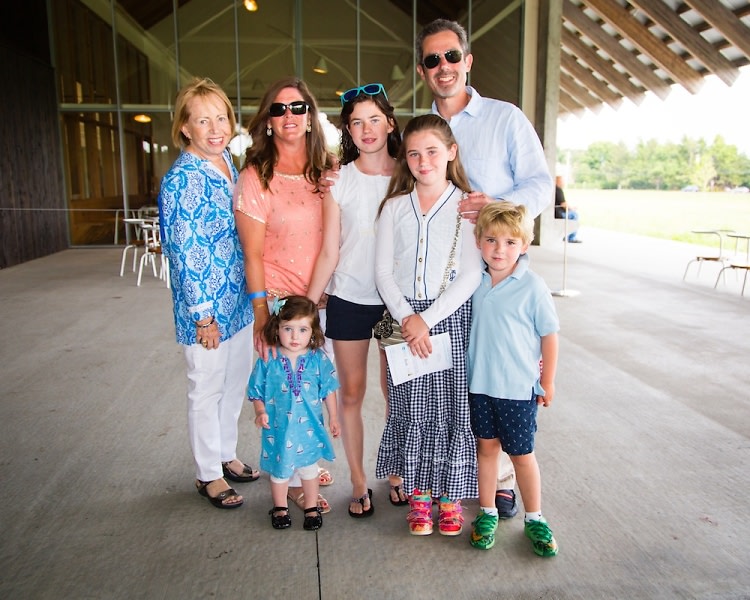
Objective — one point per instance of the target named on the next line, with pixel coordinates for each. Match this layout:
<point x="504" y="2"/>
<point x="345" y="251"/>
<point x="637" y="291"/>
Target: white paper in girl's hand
<point x="404" y="366"/>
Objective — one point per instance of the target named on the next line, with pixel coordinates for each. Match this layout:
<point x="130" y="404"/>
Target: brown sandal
<point x="220" y="500"/>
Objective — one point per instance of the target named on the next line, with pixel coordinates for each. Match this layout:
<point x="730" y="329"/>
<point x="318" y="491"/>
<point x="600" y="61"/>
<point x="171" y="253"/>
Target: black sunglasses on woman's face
<point x="277" y="109"/>
<point x="433" y="60"/>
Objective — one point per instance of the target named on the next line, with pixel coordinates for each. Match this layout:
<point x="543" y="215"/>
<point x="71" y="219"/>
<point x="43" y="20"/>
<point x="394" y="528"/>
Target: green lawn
<point x="669" y="215"/>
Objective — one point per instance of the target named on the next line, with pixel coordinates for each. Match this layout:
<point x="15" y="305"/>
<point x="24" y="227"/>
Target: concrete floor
<point x="644" y="453"/>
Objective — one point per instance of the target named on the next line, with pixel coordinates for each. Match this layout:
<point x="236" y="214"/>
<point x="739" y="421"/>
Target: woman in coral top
<point x="278" y="209"/>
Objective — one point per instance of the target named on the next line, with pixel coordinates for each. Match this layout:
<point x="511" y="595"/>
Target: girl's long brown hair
<point x="402" y="181"/>
<point x="263" y="154"/>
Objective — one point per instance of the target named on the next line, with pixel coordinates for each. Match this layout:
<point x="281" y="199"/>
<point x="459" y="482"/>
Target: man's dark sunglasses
<point x="433" y="60"/>
<point x="277" y="109"/>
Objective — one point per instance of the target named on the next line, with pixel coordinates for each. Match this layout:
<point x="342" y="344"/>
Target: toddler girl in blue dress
<point x="288" y="392"/>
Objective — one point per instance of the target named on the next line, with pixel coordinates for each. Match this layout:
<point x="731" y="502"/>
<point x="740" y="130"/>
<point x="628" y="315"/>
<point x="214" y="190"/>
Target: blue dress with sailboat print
<point x="293" y="396"/>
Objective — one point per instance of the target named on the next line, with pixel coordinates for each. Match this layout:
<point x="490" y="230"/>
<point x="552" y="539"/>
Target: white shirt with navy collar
<point x="412" y="252"/>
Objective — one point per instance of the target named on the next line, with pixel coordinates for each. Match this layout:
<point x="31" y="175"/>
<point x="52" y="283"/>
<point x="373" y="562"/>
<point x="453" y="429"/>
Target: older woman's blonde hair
<point x="198" y="87"/>
<point x="505" y="217"/>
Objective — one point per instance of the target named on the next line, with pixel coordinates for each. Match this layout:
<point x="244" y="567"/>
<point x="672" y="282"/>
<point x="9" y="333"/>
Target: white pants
<point x="217" y="384"/>
<point x="303" y="473"/>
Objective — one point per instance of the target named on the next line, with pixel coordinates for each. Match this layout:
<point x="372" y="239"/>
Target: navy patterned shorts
<point x="513" y="422"/>
<point x="349" y="321"/>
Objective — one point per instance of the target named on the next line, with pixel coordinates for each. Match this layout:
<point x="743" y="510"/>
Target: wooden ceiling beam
<point x="619" y="53"/>
<point x="587" y="79"/>
<point x="570" y="104"/>
<point x="606" y="70"/>
<point x="728" y="24"/>
<point x="632" y="30"/>
<point x="693" y="41"/>
<point x="579" y="93"/>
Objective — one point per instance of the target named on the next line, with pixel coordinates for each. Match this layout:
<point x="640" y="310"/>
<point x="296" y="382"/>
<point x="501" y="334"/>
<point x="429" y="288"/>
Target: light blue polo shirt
<point x="508" y="322"/>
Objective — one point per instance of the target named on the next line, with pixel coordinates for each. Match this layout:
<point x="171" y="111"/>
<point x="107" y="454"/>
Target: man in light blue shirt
<point x="500" y="151"/>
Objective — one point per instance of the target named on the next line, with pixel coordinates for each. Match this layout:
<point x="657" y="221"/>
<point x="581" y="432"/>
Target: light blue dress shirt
<point x="501" y="152"/>
<point x="508" y="322"/>
<point x="199" y="237"/>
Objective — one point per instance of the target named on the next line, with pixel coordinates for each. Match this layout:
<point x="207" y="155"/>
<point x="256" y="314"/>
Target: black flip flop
<point x="397" y="489"/>
<point x="364" y="513"/>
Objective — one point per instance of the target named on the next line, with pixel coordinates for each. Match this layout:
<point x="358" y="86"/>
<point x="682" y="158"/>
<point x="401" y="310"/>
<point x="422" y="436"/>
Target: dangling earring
<point x="309" y="127"/>
<point x="269" y="131"/>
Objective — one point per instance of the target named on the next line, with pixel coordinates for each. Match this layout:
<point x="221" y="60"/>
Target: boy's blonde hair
<point x="503" y="216"/>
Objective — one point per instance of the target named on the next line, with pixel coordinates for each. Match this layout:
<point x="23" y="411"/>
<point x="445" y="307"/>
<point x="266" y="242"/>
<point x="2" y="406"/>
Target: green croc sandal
<point x="541" y="537"/>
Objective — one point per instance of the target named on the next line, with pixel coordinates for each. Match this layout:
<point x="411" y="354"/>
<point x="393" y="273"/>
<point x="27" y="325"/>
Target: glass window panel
<point x="329" y="39"/>
<point x="207" y="45"/>
<point x="92" y="161"/>
<point x="496" y="44"/>
<point x="266" y="50"/>
<point x="386" y="50"/>
<point x="150" y="31"/>
<point x="83" y="53"/>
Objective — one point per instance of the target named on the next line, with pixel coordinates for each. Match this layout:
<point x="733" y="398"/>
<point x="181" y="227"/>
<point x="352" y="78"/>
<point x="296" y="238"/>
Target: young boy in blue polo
<point x="514" y="324"/>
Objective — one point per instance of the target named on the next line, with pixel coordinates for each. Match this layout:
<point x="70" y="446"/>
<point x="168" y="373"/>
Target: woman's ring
<point x="205" y="343"/>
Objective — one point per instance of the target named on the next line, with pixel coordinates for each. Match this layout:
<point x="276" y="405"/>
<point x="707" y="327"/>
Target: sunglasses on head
<point x="277" y="109"/>
<point x="371" y="89"/>
<point x="433" y="60"/>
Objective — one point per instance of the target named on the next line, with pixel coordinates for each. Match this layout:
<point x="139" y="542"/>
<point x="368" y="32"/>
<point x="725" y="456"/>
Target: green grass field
<point x="668" y="215"/>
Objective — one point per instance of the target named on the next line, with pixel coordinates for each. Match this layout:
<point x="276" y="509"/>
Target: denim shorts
<point x="349" y="321"/>
<point x="513" y="422"/>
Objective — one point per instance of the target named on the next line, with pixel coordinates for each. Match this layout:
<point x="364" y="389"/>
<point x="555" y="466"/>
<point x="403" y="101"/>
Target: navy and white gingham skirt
<point x="427" y="438"/>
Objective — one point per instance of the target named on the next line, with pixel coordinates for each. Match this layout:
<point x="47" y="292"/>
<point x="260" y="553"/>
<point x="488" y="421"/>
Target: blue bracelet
<point x="255" y="295"/>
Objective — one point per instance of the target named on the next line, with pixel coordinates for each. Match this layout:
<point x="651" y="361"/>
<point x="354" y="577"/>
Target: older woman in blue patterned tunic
<point x="212" y="311"/>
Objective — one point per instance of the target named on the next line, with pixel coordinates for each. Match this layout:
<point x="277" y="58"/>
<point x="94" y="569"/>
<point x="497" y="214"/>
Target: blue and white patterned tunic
<point x="293" y="397"/>
<point x="199" y="237"/>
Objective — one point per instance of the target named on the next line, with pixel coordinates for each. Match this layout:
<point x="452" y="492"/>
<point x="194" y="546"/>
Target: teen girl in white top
<point x="370" y="142"/>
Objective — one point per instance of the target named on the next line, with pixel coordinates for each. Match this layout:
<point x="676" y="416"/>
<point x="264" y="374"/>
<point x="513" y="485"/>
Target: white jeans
<point x="217" y="384"/>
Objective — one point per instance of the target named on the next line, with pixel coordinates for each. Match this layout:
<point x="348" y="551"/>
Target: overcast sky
<point x="715" y="109"/>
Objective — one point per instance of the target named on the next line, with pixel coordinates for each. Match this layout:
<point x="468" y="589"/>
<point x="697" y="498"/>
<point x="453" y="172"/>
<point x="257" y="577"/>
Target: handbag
<point x="387" y="330"/>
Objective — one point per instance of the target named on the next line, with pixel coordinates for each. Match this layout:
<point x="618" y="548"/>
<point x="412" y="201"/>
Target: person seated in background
<point x="562" y="208"/>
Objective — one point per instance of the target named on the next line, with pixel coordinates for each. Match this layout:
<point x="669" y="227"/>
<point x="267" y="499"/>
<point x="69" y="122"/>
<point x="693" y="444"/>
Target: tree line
<point x="660" y="166"/>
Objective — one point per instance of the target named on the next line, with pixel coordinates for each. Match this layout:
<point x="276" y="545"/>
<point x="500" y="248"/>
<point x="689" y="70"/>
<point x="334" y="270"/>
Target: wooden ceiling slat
<point x="600" y="68"/>
<point x="609" y="45"/>
<point x="632" y="30"/>
<point x="605" y="69"/>
<point x="693" y="41"/>
<point x="580" y="93"/>
<point x="570" y="104"/>
<point x="587" y="78"/>
<point x="725" y="21"/>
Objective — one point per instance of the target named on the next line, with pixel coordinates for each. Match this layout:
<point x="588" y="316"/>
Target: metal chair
<point x="739" y="261"/>
<point x="719" y="257"/>
<point x="152" y="249"/>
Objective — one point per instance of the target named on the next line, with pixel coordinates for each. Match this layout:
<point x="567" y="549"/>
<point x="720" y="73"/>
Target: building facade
<point x="92" y="89"/>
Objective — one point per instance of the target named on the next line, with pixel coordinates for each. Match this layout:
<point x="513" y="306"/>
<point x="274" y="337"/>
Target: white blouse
<point x="412" y="252"/>
<point x="358" y="196"/>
